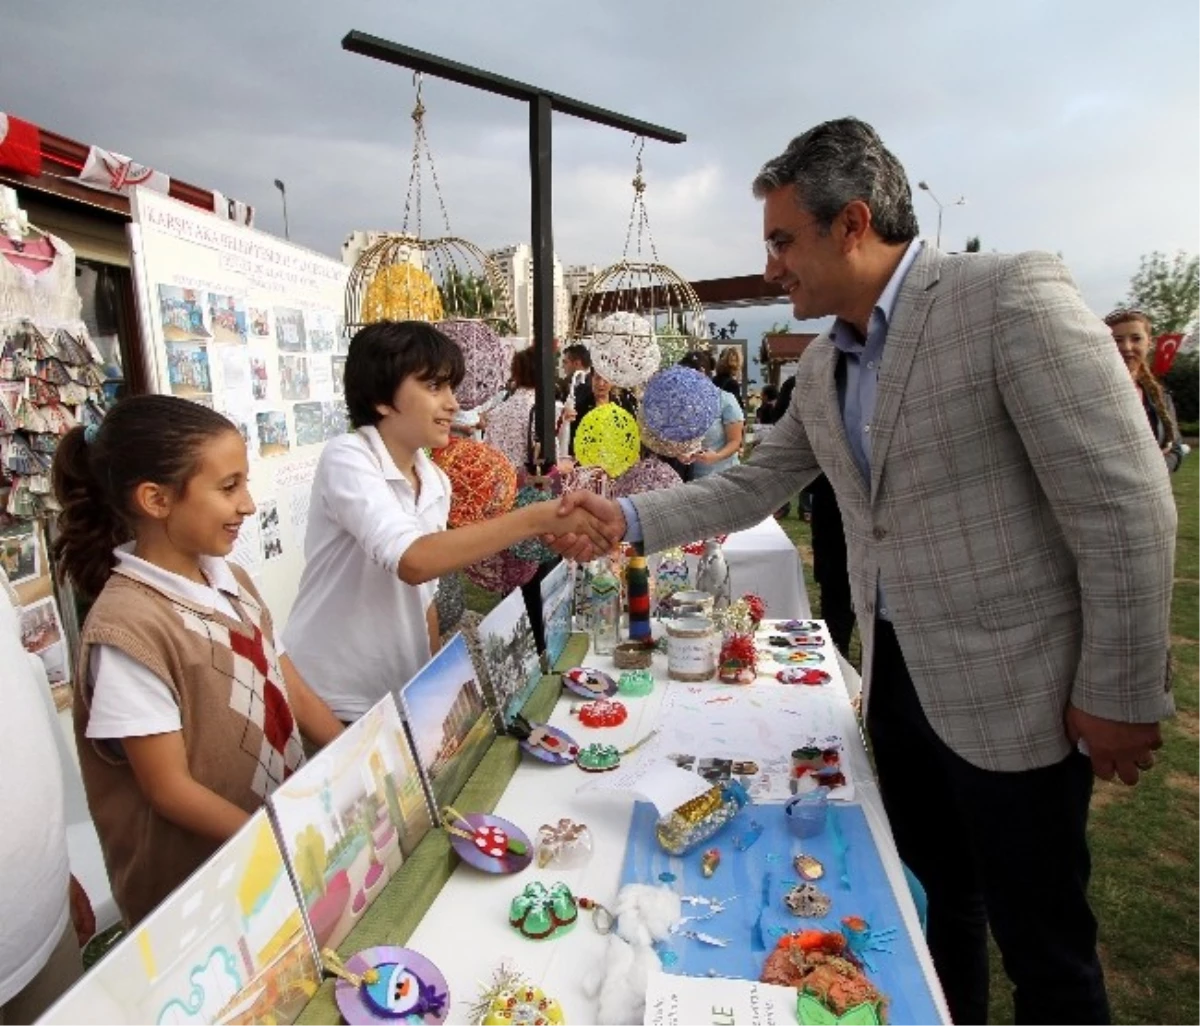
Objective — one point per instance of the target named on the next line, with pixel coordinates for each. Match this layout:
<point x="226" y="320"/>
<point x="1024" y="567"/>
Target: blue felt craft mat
<point x="898" y="974"/>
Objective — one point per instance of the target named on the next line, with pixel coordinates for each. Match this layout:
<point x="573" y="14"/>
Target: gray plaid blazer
<point x="1018" y="514"/>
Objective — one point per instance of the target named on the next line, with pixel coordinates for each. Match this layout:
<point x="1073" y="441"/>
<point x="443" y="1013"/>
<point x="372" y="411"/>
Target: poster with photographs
<point x="226" y="319"/>
<point x="181" y="315"/>
<point x="268" y="524"/>
<point x="260" y="323"/>
<point x="323" y="327"/>
<point x="338" y="364"/>
<point x="510" y="667"/>
<point x="259" y="381"/>
<point x="293" y="377"/>
<point x="248" y="325"/>
<point x="290" y="334"/>
<point x="273" y="433"/>
<point x="42" y="634"/>
<point x="20" y="551"/>
<point x="310" y="423"/>
<point x="188" y="370"/>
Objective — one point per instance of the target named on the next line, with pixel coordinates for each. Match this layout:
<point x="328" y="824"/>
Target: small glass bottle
<point x="605" y="611"/>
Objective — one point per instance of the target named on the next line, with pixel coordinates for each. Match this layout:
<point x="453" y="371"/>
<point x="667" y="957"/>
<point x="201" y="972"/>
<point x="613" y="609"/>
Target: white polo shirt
<point x="357" y="631"/>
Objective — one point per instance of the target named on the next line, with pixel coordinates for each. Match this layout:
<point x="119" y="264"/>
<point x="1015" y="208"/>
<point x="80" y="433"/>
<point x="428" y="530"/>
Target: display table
<point x="763" y="560"/>
<point x="465" y="929"/>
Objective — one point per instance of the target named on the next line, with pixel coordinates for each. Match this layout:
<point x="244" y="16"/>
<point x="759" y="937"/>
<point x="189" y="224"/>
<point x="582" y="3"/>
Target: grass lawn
<point x="1145" y="840"/>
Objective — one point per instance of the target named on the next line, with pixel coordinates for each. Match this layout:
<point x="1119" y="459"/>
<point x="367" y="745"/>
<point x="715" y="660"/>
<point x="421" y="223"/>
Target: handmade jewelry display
<point x="540" y="913"/>
<point x="389" y="985"/>
<point x="564" y="845"/>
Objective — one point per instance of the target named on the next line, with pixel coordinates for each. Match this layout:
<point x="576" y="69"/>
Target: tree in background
<point x="1167" y="290"/>
<point x="469" y="295"/>
<point x="973" y="244"/>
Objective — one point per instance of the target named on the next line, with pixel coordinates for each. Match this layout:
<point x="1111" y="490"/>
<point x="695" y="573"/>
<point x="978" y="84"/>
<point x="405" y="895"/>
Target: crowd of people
<point x="1008" y="530"/>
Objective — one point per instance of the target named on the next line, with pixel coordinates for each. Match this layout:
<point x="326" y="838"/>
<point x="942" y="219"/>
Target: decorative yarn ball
<point x="673" y="347"/>
<point x="646" y="475"/>
<point x="402" y="292"/>
<point x="676" y="450"/>
<point x="624" y="350"/>
<point x="486" y="355"/>
<point x="483" y="483"/>
<point x="608" y="438"/>
<point x="533" y="550"/>
<point x="587" y="479"/>
<point x="679" y="404"/>
<point x="501" y="573"/>
<point x="450" y="602"/>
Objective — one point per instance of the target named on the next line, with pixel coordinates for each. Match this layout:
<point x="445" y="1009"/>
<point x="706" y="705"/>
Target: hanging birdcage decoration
<point x="638" y="315"/>
<point x="448" y="281"/>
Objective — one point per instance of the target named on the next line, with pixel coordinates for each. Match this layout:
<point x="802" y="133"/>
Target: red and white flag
<point x="114" y="172"/>
<point x="20" y="145"/>
<point x="1165" y="349"/>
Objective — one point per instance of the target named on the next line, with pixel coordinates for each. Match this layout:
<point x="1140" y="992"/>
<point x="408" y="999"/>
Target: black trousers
<point x="830" y="566"/>
<point x="1005" y="850"/>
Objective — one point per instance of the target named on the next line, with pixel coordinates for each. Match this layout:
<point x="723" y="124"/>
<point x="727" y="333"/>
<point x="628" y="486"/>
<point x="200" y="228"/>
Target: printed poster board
<point x="252" y="327"/>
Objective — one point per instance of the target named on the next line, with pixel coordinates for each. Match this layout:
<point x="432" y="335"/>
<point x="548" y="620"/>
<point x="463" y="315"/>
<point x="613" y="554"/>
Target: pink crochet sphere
<point x="483" y="484"/>
<point x="501" y="573"/>
<point x="646" y="475"/>
<point x="487" y="356"/>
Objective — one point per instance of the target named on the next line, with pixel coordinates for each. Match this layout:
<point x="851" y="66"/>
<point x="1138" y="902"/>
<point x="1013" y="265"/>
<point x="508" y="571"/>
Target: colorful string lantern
<point x="646" y="475"/>
<point x="401" y="292"/>
<point x="405" y="276"/>
<point x="483" y="483"/>
<point x="673" y="345"/>
<point x="501" y="573"/>
<point x="679" y="404"/>
<point x="486" y="355"/>
<point x="624" y="350"/>
<point x="608" y="438"/>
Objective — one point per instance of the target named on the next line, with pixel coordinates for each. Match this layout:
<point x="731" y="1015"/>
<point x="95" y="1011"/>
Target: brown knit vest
<point x="240" y="734"/>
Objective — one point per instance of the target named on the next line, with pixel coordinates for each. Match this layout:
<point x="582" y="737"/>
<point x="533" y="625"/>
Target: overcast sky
<point x="1071" y="126"/>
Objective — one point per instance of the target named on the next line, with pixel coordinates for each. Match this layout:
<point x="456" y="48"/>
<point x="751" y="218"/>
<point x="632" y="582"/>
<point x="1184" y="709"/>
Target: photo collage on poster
<point x="276" y="371"/>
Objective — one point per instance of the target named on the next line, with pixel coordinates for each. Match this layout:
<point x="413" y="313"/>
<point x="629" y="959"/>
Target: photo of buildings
<point x="448" y="721"/>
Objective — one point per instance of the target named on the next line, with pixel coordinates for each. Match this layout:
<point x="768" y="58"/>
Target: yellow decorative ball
<point x="608" y="438"/>
<point x="402" y="292"/>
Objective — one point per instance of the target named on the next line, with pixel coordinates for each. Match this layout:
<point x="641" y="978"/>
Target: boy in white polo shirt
<point x="364" y="621"/>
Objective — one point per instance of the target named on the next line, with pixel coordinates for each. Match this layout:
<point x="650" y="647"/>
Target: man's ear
<point x="856" y="222"/>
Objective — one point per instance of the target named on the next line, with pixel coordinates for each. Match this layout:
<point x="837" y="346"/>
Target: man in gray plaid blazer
<point x="1010" y="530"/>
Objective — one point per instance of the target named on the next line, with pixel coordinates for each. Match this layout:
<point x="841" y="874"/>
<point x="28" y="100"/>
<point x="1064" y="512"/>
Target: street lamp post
<point x="283" y="192"/>
<point x="960" y="202"/>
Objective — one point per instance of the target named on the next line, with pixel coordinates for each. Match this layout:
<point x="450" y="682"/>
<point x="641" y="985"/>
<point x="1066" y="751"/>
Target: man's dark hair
<point x="578" y="351"/>
<point x="698" y="359"/>
<point x="382" y="355"/>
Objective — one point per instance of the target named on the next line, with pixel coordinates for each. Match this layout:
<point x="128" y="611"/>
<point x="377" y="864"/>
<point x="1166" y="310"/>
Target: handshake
<point x="581" y="526"/>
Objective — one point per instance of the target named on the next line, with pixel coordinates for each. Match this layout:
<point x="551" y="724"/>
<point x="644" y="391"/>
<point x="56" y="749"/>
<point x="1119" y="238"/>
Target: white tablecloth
<point x="763" y="560"/>
<point x="466" y="931"/>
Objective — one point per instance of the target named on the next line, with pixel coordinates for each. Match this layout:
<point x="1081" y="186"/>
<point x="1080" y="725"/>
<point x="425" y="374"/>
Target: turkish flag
<point x="1165" y="348"/>
<point x="20" y="145"/>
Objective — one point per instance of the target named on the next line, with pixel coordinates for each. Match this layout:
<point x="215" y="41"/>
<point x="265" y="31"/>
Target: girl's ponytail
<point x="89" y="527"/>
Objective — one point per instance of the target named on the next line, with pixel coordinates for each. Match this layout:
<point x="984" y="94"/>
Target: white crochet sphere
<point x="624" y="350"/>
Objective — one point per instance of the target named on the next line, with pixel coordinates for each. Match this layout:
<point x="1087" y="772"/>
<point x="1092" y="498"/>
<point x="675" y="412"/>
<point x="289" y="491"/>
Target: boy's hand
<point x="607" y="519"/>
<point x="583" y="528"/>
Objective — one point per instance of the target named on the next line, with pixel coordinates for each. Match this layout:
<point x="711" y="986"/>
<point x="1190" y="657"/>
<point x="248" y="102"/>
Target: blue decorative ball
<point x="680" y="404"/>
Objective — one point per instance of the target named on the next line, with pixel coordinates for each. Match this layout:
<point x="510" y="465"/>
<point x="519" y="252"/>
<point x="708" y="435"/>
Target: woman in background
<point x="1132" y="332"/>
